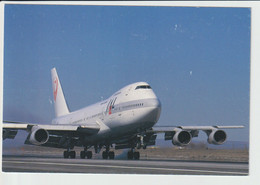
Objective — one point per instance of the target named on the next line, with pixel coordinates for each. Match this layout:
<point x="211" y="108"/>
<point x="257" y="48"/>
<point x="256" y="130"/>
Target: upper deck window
<point x="143" y="87"/>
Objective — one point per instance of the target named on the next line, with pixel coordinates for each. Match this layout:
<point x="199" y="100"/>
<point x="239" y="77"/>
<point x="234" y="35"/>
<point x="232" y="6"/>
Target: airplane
<point x="126" y="120"/>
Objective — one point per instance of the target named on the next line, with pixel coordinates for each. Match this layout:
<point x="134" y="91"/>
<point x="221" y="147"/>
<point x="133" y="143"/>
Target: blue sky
<point x="197" y="60"/>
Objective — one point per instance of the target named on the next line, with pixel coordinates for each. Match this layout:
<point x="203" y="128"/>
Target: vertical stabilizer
<point x="60" y="104"/>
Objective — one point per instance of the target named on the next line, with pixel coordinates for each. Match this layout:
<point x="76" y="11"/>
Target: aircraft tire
<point x="111" y="155"/>
<point x="66" y="154"/>
<point x="89" y="154"/>
<point x="82" y="154"/>
<point x="136" y="155"/>
<point x="104" y="155"/>
<point x="130" y="155"/>
<point x="138" y="145"/>
<point x="72" y="154"/>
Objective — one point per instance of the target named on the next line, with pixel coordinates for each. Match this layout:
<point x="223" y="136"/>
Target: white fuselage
<point x="132" y="109"/>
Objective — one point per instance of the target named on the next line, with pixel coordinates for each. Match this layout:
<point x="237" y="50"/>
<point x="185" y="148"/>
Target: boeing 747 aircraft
<point x="124" y="120"/>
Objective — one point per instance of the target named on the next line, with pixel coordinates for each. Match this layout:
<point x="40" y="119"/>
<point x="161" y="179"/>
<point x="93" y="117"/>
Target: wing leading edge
<point x="62" y="136"/>
<point x="49" y="135"/>
<point x="182" y="135"/>
<point x="161" y="129"/>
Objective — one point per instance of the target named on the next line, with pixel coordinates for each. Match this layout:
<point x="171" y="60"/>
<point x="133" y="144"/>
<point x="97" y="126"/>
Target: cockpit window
<point x="143" y="87"/>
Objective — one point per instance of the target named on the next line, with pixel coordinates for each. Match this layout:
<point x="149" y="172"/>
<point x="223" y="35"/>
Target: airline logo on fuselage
<point x="55" y="89"/>
<point x="110" y="106"/>
<point x="110" y="110"/>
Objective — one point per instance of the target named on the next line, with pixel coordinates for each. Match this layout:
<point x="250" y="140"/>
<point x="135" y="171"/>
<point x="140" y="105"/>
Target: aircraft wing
<point x="162" y="129"/>
<point x="182" y="135"/>
<point x="49" y="135"/>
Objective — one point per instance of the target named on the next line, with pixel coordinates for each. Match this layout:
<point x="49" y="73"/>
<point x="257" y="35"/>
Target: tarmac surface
<point x="52" y="164"/>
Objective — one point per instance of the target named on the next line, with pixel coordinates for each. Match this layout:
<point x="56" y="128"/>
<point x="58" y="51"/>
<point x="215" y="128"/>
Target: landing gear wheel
<point x="138" y="145"/>
<point x="89" y="154"/>
<point x="66" y="154"/>
<point x="130" y="155"/>
<point x="111" y="155"/>
<point x="105" y="155"/>
<point x="136" y="155"/>
<point x="72" y="154"/>
<point x="82" y="154"/>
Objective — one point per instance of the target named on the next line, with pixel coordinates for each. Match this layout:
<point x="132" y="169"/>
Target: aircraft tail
<point x="60" y="105"/>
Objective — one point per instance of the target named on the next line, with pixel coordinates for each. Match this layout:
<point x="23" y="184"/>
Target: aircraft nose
<point x="157" y="103"/>
<point x="156" y="109"/>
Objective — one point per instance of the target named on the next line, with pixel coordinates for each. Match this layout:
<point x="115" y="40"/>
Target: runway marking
<point x="128" y="167"/>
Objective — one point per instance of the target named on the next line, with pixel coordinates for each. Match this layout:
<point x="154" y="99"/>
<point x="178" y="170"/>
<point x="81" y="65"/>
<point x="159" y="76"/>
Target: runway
<point x="52" y="164"/>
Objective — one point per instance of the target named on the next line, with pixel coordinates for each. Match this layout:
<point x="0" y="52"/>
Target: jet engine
<point x="38" y="135"/>
<point x="217" y="137"/>
<point x="181" y="138"/>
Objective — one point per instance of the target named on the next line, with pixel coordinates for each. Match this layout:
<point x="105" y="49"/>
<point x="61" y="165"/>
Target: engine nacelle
<point x="217" y="137"/>
<point x="38" y="135"/>
<point x="181" y="138"/>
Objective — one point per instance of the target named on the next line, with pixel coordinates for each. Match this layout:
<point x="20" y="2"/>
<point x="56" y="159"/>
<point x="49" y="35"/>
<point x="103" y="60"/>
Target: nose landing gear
<point x="140" y="142"/>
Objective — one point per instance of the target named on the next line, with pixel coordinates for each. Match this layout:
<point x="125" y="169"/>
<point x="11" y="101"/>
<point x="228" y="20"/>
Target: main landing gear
<point x="133" y="155"/>
<point x="72" y="154"/>
<point x="69" y="154"/>
<point x="85" y="153"/>
<point x="108" y="154"/>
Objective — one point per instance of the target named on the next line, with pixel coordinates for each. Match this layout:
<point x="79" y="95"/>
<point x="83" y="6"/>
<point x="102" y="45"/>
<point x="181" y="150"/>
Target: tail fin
<point x="60" y="104"/>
